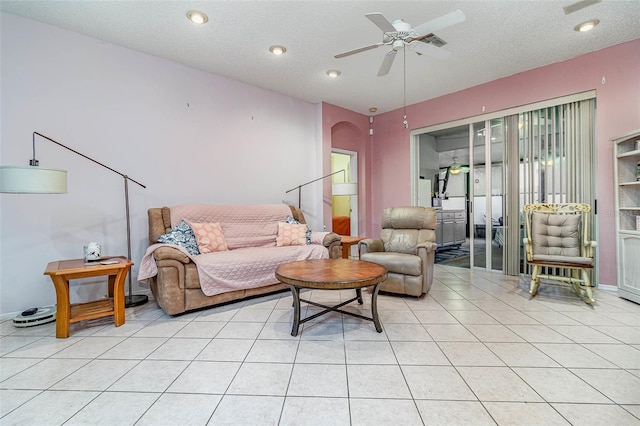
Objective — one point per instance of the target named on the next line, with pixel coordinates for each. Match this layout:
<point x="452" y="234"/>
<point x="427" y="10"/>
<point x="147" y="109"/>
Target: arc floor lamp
<point x="35" y="180"/>
<point x="343" y="188"/>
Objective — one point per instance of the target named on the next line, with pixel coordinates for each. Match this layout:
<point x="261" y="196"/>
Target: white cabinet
<point x="450" y="227"/>
<point x="626" y="169"/>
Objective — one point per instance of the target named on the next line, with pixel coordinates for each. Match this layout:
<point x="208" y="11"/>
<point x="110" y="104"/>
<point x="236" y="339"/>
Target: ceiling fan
<point x="456" y="168"/>
<point x="399" y="34"/>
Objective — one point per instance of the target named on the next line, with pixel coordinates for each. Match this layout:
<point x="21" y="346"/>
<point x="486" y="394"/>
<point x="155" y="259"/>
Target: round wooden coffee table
<point x="332" y="274"/>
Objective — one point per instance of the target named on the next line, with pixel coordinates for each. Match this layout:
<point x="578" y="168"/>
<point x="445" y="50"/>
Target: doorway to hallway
<point x="344" y="207"/>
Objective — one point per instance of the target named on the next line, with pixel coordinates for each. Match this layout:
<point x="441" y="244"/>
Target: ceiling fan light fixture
<point x="333" y="73"/>
<point x="456" y="168"/>
<point x="398" y="45"/>
<point x="586" y="26"/>
<point x="277" y="50"/>
<point x="197" y="17"/>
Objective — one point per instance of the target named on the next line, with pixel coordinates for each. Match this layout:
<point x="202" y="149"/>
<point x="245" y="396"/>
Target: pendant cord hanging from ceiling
<point x="404" y="88"/>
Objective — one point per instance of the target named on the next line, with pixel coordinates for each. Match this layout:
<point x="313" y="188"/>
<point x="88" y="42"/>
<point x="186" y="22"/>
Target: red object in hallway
<point x="341" y="225"/>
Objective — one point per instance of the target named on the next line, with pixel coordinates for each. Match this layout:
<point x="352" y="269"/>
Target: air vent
<point x="579" y="5"/>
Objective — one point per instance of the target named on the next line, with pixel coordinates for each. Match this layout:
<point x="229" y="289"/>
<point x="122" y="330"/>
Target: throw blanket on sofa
<point x="237" y="269"/>
<point x="242" y="226"/>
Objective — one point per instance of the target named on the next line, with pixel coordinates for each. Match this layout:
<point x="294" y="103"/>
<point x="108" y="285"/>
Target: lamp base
<point x="135" y="300"/>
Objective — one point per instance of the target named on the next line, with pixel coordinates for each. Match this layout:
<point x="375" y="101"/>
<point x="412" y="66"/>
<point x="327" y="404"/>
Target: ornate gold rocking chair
<point x="557" y="237"/>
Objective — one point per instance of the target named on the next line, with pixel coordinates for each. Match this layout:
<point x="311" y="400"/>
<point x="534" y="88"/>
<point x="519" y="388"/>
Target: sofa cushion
<point x="410" y="217"/>
<point x="400" y="263"/>
<point x="291" y="234"/>
<point x="243" y="226"/>
<point x="209" y="236"/>
<point x="296" y="222"/>
<point x="181" y="235"/>
<point x="400" y="240"/>
<point x="249" y="267"/>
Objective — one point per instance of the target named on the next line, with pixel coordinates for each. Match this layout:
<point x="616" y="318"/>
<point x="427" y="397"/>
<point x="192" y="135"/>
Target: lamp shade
<point x="32" y="180"/>
<point x="348" y="188"/>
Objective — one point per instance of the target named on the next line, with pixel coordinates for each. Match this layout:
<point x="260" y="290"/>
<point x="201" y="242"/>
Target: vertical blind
<point x="557" y="157"/>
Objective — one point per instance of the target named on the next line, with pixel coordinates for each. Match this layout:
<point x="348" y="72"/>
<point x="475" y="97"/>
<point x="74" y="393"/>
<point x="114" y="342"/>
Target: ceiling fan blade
<point x="361" y="49"/>
<point x="439" y="23"/>
<point x="429" y="49"/>
<point x="386" y="63"/>
<point x="382" y="22"/>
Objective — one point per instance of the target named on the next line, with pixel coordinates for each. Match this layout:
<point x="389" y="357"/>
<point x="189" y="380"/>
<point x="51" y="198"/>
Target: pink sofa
<point x="182" y="282"/>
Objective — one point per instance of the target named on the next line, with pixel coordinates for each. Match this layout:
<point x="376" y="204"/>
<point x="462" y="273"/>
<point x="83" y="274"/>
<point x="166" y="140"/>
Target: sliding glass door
<point x="487" y="177"/>
<point x="490" y="167"/>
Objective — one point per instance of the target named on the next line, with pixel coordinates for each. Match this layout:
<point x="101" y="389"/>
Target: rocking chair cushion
<point x="563" y="260"/>
<point x="556" y="236"/>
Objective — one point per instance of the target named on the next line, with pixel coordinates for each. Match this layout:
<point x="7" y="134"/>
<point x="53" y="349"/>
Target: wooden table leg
<point x="63" y="307"/>
<point x="116" y="287"/>
<point x="295" y="292"/>
<point x="346" y="250"/>
<point x="374" y="308"/>
<point x="112" y="281"/>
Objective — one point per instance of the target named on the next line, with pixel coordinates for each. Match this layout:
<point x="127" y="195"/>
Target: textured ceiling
<point x="498" y="39"/>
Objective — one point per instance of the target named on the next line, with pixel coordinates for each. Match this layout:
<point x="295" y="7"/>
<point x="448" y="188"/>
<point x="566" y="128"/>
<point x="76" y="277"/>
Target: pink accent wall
<point x="618" y="112"/>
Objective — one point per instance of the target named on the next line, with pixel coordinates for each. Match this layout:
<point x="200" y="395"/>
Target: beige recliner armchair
<point x="406" y="248"/>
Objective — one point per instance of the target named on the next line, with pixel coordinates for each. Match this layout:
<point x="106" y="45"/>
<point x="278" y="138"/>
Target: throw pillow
<point x="181" y="235"/>
<point x="290" y="234"/>
<point x="295" y="222"/>
<point x="209" y="236"/>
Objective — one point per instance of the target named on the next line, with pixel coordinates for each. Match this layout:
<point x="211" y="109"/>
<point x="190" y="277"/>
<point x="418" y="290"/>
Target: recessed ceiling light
<point x="277" y="50"/>
<point x="333" y="73"/>
<point x="197" y="17"/>
<point x="587" y="26"/>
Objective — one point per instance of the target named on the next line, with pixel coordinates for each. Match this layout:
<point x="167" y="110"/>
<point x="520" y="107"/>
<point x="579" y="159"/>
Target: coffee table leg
<point x="374" y="308"/>
<point x="295" y="293"/>
<point x="359" y="295"/>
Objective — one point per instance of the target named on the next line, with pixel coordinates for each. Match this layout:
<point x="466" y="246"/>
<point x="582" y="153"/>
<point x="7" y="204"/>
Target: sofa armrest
<point x="330" y="238"/>
<point x="170" y="253"/>
<point x="369" y="245"/>
<point x="427" y="253"/>
<point x="333" y="244"/>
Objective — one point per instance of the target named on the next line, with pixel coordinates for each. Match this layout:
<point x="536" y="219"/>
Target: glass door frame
<point x="488" y="193"/>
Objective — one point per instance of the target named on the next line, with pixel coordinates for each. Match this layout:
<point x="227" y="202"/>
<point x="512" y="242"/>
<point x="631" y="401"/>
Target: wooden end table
<point x="347" y="242"/>
<point x="332" y="274"/>
<point x="61" y="271"/>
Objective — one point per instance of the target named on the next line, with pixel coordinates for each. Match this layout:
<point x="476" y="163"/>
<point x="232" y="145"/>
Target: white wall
<point x="429" y="156"/>
<point x="190" y="136"/>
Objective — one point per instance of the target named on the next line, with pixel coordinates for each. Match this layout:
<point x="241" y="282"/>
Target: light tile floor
<point x="476" y="350"/>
